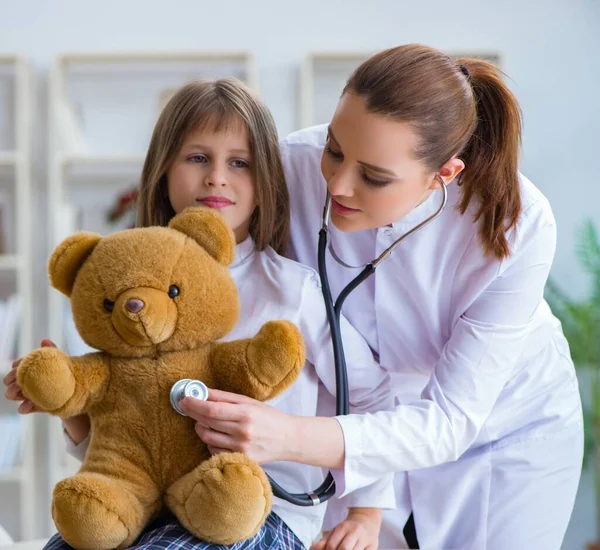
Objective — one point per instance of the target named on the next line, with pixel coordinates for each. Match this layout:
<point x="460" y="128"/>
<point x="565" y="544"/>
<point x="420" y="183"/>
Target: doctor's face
<point x="371" y="171"/>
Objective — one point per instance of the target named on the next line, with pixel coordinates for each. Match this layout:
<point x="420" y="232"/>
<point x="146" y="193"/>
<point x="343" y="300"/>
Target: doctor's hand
<point x="359" y="531"/>
<point x="228" y="422"/>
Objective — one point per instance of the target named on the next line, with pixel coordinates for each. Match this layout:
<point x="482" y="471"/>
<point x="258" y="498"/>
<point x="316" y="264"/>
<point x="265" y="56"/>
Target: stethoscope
<point x="198" y="390"/>
<point x="327" y="489"/>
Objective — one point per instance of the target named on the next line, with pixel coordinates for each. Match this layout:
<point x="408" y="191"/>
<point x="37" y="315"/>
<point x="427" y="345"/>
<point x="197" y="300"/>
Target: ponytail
<point x="491" y="157"/>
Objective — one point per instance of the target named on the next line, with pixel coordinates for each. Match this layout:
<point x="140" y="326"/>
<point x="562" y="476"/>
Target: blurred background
<point x="81" y="85"/>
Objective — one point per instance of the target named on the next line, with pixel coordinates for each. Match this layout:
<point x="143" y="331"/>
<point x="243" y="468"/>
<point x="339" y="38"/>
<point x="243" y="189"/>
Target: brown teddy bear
<point x="156" y="301"/>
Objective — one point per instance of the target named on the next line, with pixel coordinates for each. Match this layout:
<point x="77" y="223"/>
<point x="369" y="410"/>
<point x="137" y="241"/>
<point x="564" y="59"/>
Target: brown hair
<point x="458" y="108"/>
<point x="220" y="103"/>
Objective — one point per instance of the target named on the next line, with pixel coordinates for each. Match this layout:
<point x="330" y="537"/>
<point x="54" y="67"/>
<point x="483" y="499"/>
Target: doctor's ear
<point x="448" y="172"/>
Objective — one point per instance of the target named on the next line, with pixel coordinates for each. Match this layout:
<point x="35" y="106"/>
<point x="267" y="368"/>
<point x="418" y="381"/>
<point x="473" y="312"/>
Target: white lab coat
<point x="486" y="435"/>
<point x="271" y="288"/>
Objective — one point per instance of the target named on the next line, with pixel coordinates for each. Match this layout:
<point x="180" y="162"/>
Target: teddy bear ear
<point x="209" y="230"/>
<point x="67" y="259"/>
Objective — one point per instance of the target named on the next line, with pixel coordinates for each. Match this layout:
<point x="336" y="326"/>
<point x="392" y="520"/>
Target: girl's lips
<point x="216" y="202"/>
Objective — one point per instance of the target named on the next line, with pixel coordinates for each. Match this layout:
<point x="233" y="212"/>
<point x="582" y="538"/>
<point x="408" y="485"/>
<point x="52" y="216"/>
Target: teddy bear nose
<point x="134" y="305"/>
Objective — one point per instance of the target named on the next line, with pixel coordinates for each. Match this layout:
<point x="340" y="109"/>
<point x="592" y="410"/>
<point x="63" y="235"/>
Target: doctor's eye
<point x="373" y="182"/>
<point x="109" y="305"/>
<point x="334" y="154"/>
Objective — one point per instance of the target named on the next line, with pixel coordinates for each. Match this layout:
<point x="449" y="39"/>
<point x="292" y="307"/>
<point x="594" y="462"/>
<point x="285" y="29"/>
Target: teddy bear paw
<point x="224" y="500"/>
<point x="91" y="511"/>
<point x="45" y="377"/>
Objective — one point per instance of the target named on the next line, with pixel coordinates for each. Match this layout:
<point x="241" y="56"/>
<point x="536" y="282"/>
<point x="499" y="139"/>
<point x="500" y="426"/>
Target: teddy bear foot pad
<point x="224" y="500"/>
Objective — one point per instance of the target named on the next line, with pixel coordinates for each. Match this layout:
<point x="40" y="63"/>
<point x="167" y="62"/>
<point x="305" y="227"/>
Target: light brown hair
<point x="458" y="108"/>
<point x="220" y="104"/>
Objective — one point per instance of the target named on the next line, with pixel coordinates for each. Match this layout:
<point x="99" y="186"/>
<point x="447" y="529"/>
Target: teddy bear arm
<point x="263" y="366"/>
<point x="91" y="373"/>
<point x="57" y="383"/>
<point x="232" y="372"/>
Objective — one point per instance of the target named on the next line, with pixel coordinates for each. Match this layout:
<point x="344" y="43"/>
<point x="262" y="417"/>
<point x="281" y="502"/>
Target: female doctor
<point x="486" y="437"/>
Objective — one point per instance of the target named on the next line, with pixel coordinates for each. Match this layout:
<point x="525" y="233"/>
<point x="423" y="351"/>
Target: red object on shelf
<point x="125" y="203"/>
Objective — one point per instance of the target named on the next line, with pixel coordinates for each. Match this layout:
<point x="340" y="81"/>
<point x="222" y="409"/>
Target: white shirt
<point x="272" y="288"/>
<point x="469" y="341"/>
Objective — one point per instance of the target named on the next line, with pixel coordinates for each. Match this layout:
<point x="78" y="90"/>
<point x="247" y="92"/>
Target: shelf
<point x="322" y="79"/>
<point x="8" y="158"/>
<point x="103" y="170"/>
<point x="102" y="160"/>
<point x="15" y="475"/>
<point x="9" y="262"/>
<point x="153" y="57"/>
<point x="339" y="56"/>
<point x="15" y="175"/>
<point x="119" y="62"/>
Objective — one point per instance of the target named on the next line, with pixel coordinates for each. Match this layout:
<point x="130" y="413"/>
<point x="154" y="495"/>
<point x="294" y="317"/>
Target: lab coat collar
<point x="424" y="210"/>
<point x="243" y="251"/>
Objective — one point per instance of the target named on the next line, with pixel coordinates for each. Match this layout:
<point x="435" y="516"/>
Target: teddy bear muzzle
<point x="144" y="316"/>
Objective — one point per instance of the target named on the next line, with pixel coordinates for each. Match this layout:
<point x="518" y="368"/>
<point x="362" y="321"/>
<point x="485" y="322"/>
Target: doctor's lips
<point x="215" y="201"/>
<point x="341" y="209"/>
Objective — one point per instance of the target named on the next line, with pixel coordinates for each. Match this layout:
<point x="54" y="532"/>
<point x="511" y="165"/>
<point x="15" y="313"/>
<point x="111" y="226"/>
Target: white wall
<point x="550" y="49"/>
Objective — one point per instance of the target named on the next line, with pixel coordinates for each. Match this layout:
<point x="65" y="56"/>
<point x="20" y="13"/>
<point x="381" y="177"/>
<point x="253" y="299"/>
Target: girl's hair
<point x="220" y="104"/>
<point x="458" y="108"/>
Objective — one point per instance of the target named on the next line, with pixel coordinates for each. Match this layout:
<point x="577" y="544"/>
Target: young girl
<point x="215" y="144"/>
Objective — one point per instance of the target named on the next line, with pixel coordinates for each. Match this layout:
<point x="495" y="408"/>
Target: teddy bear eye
<point x="109" y="305"/>
<point x="173" y="291"/>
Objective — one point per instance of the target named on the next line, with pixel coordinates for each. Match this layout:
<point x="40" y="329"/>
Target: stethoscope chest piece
<point x="187" y="388"/>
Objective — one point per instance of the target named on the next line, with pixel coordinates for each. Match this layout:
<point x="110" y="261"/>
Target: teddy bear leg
<point x="93" y="511"/>
<point x="224" y="500"/>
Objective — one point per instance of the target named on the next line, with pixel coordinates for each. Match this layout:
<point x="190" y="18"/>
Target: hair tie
<point x="465" y="71"/>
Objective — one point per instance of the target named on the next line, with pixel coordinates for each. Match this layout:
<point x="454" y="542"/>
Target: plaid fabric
<point x="168" y="534"/>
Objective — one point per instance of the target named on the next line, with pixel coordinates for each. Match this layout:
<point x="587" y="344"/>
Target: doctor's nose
<point x="340" y="184"/>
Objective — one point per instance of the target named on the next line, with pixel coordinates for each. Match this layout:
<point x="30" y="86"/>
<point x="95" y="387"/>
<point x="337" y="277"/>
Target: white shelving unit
<point x="324" y="74"/>
<point x="322" y="79"/>
<point x="102" y="109"/>
<point x="16" y="100"/>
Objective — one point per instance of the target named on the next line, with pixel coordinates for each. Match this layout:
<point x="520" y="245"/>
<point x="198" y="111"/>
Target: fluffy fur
<point x="143" y="455"/>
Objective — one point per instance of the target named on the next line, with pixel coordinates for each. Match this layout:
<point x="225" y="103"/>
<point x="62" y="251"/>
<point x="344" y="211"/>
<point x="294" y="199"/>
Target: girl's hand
<point x="13" y="391"/>
<point x="78" y="427"/>
<point x="359" y="531"/>
<point x="228" y="422"/>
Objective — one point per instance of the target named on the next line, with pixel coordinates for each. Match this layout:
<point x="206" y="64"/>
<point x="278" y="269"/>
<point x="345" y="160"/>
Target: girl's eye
<point x="334" y="154"/>
<point x="240" y="164"/>
<point x="198" y="159"/>
<point x="374" y="183"/>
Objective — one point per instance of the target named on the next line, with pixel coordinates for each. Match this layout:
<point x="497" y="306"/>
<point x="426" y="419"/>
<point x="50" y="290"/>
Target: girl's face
<point x="213" y="169"/>
<point x="371" y="170"/>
